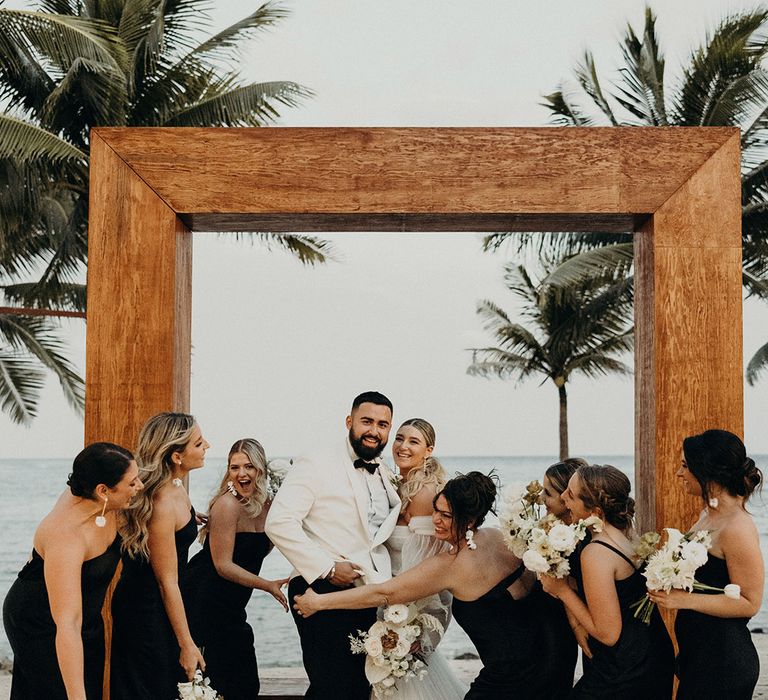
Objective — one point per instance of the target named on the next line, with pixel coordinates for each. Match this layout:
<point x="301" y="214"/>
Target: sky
<point x="279" y="350"/>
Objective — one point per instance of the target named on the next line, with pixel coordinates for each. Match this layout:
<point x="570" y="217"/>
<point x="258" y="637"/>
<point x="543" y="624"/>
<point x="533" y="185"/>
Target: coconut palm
<point x="757" y="365"/>
<point x="74" y="64"/>
<point x="722" y="84"/>
<point x="577" y="328"/>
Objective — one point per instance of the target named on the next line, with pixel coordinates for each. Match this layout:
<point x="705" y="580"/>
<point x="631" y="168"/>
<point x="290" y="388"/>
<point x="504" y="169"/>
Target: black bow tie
<point x="362" y="464"/>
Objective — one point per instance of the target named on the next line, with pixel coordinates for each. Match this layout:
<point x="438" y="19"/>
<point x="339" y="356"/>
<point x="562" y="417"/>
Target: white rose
<point x="533" y="561"/>
<point x="396" y="614"/>
<point x="373" y="646"/>
<point x="732" y="590"/>
<point x="694" y="552"/>
<point x="562" y="537"/>
<point x="402" y="648"/>
<point x="378" y="629"/>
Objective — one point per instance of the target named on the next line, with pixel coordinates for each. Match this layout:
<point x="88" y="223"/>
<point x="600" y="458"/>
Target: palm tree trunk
<point x="563" y="422"/>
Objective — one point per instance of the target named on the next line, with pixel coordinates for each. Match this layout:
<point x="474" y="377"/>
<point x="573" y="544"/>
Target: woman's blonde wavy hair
<point x="161" y="436"/>
<point x="257" y="457"/>
<point x="431" y="472"/>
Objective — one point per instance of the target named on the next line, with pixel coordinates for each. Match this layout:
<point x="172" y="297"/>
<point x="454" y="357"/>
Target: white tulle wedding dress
<point x="408" y="545"/>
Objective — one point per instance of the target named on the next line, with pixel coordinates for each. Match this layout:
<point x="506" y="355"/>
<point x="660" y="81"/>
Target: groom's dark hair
<point x="372" y="397"/>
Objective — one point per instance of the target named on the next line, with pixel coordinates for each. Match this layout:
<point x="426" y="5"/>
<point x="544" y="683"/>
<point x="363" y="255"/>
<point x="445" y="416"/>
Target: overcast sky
<point x="280" y="350"/>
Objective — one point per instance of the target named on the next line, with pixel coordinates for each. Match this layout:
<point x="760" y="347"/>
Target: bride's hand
<point x="274" y="589"/>
<point x="308" y="604"/>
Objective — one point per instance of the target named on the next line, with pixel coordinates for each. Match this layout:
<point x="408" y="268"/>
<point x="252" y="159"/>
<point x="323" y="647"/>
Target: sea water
<point x="30" y="488"/>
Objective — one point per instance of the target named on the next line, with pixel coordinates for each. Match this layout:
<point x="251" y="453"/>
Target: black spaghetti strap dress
<point x="507" y="635"/>
<point x="640" y="665"/>
<point x="717" y="658"/>
<point x="145" y="653"/>
<point x="217" y="618"/>
<point x="31" y="630"/>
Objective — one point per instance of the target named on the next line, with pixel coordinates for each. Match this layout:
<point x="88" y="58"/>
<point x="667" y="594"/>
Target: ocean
<point x="31" y="486"/>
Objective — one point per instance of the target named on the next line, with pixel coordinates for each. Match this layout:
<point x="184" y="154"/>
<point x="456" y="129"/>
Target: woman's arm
<point x="62" y="570"/>
<point x="221" y="539"/>
<point x="741" y="546"/>
<point x="431" y="576"/>
<point x="162" y="548"/>
<point x="600" y="615"/>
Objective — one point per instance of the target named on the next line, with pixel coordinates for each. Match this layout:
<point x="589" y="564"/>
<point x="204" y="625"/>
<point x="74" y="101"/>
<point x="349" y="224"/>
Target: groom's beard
<point x="364" y="451"/>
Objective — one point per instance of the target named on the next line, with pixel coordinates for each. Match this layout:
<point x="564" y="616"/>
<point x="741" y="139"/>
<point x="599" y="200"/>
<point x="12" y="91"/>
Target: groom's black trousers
<point x="335" y="673"/>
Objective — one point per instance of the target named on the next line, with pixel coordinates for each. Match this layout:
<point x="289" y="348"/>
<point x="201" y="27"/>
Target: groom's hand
<point x="344" y="573"/>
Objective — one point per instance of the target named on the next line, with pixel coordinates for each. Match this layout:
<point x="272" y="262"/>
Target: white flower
<point x="396" y="614"/>
<point x="674" y="537"/>
<point x="732" y="590"/>
<point x="388" y="682"/>
<point x="562" y="537"/>
<point x="694" y="552"/>
<point x="373" y="646"/>
<point x="535" y="562"/>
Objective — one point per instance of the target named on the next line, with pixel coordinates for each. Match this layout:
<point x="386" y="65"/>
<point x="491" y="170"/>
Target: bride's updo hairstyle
<point x="431" y="472"/>
<point x="607" y="488"/>
<point x="161" y="436"/>
<point x="471" y="497"/>
<point x="99" y="463"/>
<point x="719" y="457"/>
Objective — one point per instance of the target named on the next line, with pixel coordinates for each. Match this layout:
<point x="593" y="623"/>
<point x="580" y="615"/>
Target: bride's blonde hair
<point x="257" y="457"/>
<point x="431" y="472"/>
<point x="161" y="436"/>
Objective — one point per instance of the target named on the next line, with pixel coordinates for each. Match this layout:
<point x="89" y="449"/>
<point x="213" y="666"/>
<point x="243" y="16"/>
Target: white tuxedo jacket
<point x="320" y="516"/>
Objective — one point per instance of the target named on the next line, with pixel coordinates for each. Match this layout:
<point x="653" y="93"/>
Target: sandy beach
<point x="292" y="681"/>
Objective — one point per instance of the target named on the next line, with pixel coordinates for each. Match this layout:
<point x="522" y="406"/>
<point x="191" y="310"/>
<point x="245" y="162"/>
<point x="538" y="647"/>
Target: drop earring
<point x="470" y="537"/>
<point x="101" y="521"/>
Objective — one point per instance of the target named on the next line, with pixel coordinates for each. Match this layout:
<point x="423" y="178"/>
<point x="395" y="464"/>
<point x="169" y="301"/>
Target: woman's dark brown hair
<point x="607" y="488"/>
<point x="470" y="497"/>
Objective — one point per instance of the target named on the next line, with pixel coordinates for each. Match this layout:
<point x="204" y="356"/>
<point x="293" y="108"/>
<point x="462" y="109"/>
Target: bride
<point x="422" y="477"/>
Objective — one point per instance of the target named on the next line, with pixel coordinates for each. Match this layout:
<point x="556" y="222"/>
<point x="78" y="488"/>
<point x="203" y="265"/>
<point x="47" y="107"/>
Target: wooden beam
<point x="688" y="367"/>
<point x="26" y="311"/>
<point x="139" y="303"/>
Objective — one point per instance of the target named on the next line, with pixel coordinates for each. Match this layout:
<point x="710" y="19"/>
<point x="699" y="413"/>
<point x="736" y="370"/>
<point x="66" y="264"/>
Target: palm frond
<point x="564" y="111"/>
<point x="64" y="296"/>
<point x="37" y="336"/>
<point x="612" y="262"/>
<point x="309" y="250"/>
<point x="757" y="365"/>
<point x="21" y="382"/>
<point x="21" y="141"/>
<point x="586" y="74"/>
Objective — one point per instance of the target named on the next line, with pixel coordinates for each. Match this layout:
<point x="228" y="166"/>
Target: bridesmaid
<point x="152" y="648"/>
<point x="563" y="630"/>
<point x="717" y="658"/>
<point x="52" y="613"/>
<point x="489" y="586"/>
<point x="220" y="579"/>
<point x="629" y="658"/>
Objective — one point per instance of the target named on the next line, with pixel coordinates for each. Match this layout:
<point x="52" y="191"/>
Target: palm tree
<point x="75" y="64"/>
<point x="581" y="327"/>
<point x="723" y="84"/>
<point x="757" y="365"/>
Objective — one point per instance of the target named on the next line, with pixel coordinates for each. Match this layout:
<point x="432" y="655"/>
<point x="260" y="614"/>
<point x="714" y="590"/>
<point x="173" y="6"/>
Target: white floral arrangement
<point x="198" y="688"/>
<point x="388" y="647"/>
<point x="520" y="512"/>
<point x="277" y="470"/>
<point x="551" y="543"/>
<point x="674" y="566"/>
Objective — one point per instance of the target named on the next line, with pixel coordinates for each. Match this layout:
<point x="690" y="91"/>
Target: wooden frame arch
<point x="678" y="189"/>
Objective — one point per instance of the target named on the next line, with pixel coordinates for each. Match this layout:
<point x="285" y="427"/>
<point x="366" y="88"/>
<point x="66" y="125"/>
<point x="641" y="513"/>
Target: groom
<point x="330" y="519"/>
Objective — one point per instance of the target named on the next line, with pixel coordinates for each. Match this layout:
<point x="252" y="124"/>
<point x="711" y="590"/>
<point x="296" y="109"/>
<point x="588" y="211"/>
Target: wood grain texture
<point x="139" y="303"/>
<point x="415" y="170"/>
<point x="688" y="357"/>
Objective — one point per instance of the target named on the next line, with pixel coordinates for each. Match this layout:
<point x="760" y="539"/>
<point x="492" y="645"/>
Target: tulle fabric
<point x="409" y="545"/>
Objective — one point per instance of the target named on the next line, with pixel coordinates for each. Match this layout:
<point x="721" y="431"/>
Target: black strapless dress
<point x="640" y="665"/>
<point x="717" y="658"/>
<point x="145" y="653"/>
<point x="508" y="637"/>
<point x="217" y="618"/>
<point x="32" y="632"/>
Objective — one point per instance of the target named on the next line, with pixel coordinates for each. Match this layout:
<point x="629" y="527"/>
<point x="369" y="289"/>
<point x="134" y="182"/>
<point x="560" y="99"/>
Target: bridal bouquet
<point x="198" y="688"/>
<point x="520" y="512"/>
<point x="674" y="566"/>
<point x="388" y="645"/>
<point x="552" y="542"/>
<point x="277" y="470"/>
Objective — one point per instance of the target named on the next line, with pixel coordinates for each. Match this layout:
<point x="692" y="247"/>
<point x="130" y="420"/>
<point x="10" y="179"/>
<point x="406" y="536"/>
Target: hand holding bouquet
<point x="198" y="688"/>
<point x="388" y="645"/>
<point x="552" y="542"/>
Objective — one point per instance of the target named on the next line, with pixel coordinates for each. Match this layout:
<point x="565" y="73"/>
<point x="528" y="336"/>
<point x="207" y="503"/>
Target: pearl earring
<point x="101" y="521"/>
<point x="470" y="537"/>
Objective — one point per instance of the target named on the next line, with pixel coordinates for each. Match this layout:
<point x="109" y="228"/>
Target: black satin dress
<point x="640" y="665"/>
<point x="508" y="637"/>
<point x="32" y="632"/>
<point x="717" y="658"/>
<point x="145" y="653"/>
<point x="217" y="618"/>
<point x="560" y="649"/>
